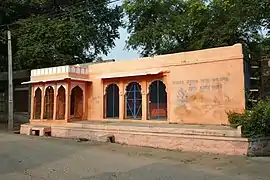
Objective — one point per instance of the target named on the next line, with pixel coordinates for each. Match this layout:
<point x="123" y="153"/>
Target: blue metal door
<point x="133" y="101"/>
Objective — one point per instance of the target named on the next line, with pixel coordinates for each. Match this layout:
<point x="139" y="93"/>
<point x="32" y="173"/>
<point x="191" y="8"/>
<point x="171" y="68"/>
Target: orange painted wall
<point x="201" y="85"/>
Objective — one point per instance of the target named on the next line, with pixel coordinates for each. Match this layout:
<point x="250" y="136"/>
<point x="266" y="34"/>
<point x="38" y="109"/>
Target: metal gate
<point x="133" y="101"/>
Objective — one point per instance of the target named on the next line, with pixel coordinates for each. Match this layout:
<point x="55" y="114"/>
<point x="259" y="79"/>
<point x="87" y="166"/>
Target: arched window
<point x="76" y="104"/>
<point x="37" y="104"/>
<point x="61" y="103"/>
<point x="157" y="99"/>
<point x="133" y="104"/>
<point x="49" y="103"/>
<point x="112" y="101"/>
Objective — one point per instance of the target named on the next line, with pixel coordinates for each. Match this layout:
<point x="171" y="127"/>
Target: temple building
<point x="197" y="87"/>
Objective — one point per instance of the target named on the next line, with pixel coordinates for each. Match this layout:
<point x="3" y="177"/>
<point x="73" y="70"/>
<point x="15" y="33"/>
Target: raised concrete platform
<point x="212" y="139"/>
<point x="205" y="130"/>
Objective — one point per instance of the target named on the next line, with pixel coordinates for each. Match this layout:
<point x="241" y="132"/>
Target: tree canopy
<point x="59" y="32"/>
<point x="168" y="26"/>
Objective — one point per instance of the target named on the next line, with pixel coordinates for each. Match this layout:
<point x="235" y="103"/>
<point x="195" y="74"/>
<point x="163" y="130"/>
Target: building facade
<point x="21" y="97"/>
<point x="196" y="87"/>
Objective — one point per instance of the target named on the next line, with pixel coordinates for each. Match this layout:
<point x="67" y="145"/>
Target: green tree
<point x="161" y="27"/>
<point x="10" y="11"/>
<point x="70" y="32"/>
<point x="58" y="32"/>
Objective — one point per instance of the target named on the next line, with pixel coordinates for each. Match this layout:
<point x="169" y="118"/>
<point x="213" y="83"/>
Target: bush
<point x="255" y="123"/>
<point x="235" y="119"/>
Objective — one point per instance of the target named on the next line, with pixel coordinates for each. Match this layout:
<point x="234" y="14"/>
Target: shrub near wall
<point x="255" y="126"/>
<point x="235" y="118"/>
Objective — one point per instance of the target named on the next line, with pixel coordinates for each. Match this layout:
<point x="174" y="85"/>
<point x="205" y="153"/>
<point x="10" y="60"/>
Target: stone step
<point x="164" y="140"/>
<point x="225" y="132"/>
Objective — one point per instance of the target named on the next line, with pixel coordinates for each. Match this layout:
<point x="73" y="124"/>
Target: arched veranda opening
<point x="61" y="103"/>
<point x="37" y="104"/>
<point x="157" y="101"/>
<point x="133" y="101"/>
<point x="49" y="103"/>
<point x="76" y="104"/>
<point x="112" y="101"/>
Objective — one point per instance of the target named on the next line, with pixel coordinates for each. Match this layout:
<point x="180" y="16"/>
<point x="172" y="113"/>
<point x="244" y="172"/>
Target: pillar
<point x="85" y="100"/>
<point x="55" y="101"/>
<point x="67" y="103"/>
<point x="121" y="101"/>
<point x="168" y="90"/>
<point x="144" y="100"/>
<point x="32" y="101"/>
<point x="103" y="104"/>
<point x="42" y="101"/>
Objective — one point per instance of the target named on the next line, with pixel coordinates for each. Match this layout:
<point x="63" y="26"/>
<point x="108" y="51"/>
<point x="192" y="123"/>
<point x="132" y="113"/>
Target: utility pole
<point x="10" y="84"/>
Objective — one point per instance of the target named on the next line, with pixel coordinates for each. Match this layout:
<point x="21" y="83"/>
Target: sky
<point x="119" y="52"/>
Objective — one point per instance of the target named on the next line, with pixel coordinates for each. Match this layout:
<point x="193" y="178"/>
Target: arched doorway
<point x="133" y="98"/>
<point x="49" y="103"/>
<point x="61" y="103"/>
<point x="76" y="104"/>
<point x="157" y="99"/>
<point x="112" y="101"/>
<point x="37" y="104"/>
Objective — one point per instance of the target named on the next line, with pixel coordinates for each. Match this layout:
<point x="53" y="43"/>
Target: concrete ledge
<point x="184" y="131"/>
<point x="219" y="145"/>
<point x="156" y="137"/>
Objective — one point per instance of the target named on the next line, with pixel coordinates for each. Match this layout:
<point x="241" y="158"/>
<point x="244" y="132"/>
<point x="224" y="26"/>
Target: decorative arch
<point x="74" y="85"/>
<point x="37" y="103"/>
<point x="112" y="101"/>
<point x="133" y="101"/>
<point x="61" y="103"/>
<point x="130" y="82"/>
<point x="59" y="85"/>
<point x="77" y="103"/>
<point x="157" y="101"/>
<point x="49" y="102"/>
<point x="48" y="85"/>
<point x="37" y="87"/>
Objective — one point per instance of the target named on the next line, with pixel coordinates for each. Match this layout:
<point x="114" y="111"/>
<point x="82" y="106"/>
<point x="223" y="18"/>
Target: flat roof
<point x="56" y="79"/>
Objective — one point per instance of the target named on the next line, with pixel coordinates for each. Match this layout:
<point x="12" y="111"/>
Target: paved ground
<point x="34" y="158"/>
